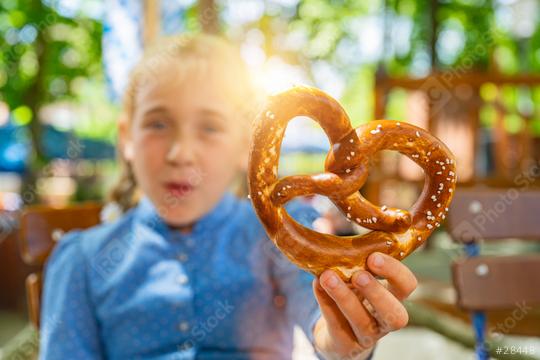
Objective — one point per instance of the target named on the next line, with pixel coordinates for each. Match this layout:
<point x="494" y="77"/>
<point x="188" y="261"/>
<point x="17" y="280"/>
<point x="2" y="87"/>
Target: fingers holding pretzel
<point x="396" y="232"/>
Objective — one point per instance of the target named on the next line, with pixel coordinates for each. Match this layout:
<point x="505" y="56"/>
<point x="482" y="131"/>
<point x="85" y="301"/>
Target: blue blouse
<point x="136" y="289"/>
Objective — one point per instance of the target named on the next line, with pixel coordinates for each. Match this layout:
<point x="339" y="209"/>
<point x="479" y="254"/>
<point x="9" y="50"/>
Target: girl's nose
<point x="181" y="153"/>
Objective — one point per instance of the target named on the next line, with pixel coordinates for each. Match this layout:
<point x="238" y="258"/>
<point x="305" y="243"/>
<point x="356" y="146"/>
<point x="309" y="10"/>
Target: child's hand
<point x="347" y="329"/>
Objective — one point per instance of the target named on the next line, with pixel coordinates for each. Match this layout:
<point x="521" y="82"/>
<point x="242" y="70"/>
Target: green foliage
<point x="469" y="36"/>
<point x="40" y="46"/>
<point x="358" y="99"/>
<point x="471" y="24"/>
<point x="49" y="58"/>
<point x="44" y="59"/>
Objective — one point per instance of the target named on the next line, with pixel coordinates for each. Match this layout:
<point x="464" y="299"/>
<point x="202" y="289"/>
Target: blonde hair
<point x="204" y="55"/>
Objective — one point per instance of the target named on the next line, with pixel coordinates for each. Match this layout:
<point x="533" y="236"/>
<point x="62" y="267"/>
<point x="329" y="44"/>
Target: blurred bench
<point x="496" y="282"/>
<point x="507" y="283"/>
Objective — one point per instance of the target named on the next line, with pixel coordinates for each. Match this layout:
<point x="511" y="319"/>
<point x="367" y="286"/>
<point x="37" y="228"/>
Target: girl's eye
<point x="156" y="124"/>
<point x="210" y="128"/>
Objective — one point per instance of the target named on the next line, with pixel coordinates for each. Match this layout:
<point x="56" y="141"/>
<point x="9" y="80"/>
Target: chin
<point x="179" y="217"/>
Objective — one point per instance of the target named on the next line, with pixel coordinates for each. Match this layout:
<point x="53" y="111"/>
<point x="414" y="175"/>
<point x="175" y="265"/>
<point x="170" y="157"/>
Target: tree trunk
<point x="151" y="24"/>
<point x="34" y="97"/>
<point x="208" y="16"/>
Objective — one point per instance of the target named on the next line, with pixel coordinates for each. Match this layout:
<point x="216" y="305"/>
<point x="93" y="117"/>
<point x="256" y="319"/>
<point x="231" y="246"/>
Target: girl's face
<point x="185" y="143"/>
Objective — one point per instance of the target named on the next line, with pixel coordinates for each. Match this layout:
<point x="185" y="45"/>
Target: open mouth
<point x="179" y="189"/>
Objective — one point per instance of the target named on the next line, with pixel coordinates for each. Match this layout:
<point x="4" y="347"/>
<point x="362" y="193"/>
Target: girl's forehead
<point x="166" y="77"/>
<point x="175" y="88"/>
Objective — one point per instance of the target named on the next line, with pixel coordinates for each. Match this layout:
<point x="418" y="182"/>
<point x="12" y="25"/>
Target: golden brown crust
<point x="395" y="232"/>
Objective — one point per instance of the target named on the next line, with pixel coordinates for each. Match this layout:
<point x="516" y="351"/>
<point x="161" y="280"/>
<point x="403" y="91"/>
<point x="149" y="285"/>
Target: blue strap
<point x="478" y="317"/>
<point x="479" y="325"/>
<point x="472" y="249"/>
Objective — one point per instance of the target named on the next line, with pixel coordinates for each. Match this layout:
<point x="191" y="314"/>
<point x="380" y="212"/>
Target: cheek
<point x="223" y="157"/>
<point x="150" y="150"/>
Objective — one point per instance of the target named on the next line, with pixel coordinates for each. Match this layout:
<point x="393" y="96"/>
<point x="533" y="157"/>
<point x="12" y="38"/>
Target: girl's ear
<point x="125" y="144"/>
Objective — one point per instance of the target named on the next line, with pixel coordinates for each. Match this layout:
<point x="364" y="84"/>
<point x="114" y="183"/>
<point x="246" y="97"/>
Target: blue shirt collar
<point x="147" y="214"/>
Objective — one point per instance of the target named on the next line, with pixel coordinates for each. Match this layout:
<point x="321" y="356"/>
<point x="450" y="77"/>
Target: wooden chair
<point x="491" y="283"/>
<point x="40" y="228"/>
<point x="12" y="271"/>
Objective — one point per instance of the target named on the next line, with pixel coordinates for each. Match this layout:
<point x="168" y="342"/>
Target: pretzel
<point x="395" y="232"/>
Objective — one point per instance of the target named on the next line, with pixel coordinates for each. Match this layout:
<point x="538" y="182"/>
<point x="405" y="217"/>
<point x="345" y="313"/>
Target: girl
<point x="187" y="272"/>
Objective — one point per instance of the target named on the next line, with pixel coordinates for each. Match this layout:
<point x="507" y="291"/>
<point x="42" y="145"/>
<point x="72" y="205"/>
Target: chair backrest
<point x="495" y="282"/>
<point x="40" y="228"/>
<point x="12" y="269"/>
<point x="492" y="214"/>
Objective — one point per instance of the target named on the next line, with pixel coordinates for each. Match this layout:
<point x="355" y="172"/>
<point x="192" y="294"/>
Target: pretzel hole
<point x="401" y="179"/>
<point x="304" y="148"/>
<point x="303" y="152"/>
<point x="332" y="220"/>
<point x="299" y="214"/>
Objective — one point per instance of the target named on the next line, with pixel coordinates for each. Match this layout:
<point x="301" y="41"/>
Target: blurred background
<point x="466" y="70"/>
